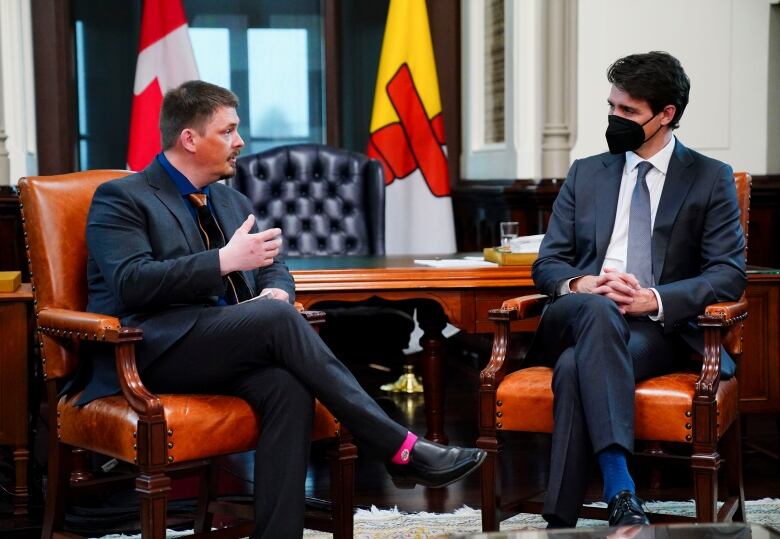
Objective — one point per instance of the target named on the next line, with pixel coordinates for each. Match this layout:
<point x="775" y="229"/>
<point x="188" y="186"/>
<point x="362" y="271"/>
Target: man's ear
<point x="188" y="138"/>
<point x="667" y="115"/>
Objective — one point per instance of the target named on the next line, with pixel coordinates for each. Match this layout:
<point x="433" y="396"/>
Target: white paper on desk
<point x="526" y="244"/>
<point x="455" y="263"/>
<point x="265" y="295"/>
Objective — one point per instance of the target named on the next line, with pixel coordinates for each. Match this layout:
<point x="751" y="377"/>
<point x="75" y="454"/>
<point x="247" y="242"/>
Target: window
<point x="269" y="53"/>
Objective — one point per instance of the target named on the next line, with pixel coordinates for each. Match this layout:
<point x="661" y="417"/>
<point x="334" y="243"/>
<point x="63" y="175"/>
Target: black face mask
<point x="625" y="135"/>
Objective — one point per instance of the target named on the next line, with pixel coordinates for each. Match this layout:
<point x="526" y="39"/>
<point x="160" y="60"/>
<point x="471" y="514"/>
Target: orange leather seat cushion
<point x="201" y="426"/>
<point x="662" y="406"/>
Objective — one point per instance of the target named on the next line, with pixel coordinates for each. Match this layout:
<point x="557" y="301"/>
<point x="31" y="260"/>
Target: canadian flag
<point x="165" y="60"/>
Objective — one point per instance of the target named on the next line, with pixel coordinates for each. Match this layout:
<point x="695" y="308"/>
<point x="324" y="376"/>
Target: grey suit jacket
<point x="698" y="245"/>
<point x="149" y="266"/>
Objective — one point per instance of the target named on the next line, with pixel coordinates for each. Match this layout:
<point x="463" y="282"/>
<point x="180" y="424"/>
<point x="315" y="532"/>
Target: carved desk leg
<point x="432" y="321"/>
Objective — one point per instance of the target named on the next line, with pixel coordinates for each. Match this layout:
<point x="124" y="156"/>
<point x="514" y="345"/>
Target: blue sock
<point x="614" y="470"/>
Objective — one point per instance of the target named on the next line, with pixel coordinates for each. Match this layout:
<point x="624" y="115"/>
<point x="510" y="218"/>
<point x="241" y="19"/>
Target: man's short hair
<point x="656" y="77"/>
<point x="191" y="105"/>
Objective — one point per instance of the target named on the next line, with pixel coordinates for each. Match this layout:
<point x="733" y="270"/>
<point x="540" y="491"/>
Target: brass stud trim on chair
<point x="499" y="414"/>
<point x="499" y="403"/>
<point x="498" y="425"/>
<point x="170" y="459"/>
<point x="688" y="438"/>
<point x="170" y="432"/>
<point x="135" y="434"/>
<point x="688" y="413"/>
<point x="170" y="445"/>
<point x="688" y="426"/>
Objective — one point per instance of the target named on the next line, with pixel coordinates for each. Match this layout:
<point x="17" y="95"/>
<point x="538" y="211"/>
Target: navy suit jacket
<point x="698" y="246"/>
<point x="149" y="267"/>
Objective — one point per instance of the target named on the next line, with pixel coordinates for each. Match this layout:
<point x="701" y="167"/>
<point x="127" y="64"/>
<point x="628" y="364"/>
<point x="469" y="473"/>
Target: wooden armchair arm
<point x="717" y="319"/>
<point x="85" y="326"/>
<point x="724" y="314"/>
<point x="512" y="309"/>
<point x="520" y="308"/>
<point x="78" y="324"/>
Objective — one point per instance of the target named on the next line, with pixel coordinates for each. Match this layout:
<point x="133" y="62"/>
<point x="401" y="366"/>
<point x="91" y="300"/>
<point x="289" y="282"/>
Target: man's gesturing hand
<point x="246" y="251"/>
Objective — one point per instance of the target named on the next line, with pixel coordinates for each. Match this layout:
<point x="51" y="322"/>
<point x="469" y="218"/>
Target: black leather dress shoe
<point x="625" y="509"/>
<point x="434" y="465"/>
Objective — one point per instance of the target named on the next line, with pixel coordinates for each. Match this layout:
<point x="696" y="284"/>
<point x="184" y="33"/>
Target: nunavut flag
<point x="407" y="136"/>
<point x="165" y="60"/>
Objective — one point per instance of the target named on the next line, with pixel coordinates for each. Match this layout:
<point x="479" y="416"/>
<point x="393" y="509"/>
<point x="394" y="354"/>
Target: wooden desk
<point x="461" y="296"/>
<point x="466" y="295"/>
<point x="15" y="340"/>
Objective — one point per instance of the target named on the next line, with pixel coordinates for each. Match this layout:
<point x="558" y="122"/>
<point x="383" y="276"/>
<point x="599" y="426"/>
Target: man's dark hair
<point x="656" y="77"/>
<point x="191" y="105"/>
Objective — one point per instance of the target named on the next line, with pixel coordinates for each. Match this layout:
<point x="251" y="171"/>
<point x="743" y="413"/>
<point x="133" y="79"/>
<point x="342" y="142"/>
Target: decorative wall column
<point x="560" y="86"/>
<point x="5" y="163"/>
<point x="536" y="110"/>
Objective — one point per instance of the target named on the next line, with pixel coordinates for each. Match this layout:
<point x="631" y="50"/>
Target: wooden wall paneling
<point x="12" y="254"/>
<point x="764" y="226"/>
<point x="759" y="369"/>
<point x="332" y="73"/>
<point x="55" y="86"/>
<point x="444" y="17"/>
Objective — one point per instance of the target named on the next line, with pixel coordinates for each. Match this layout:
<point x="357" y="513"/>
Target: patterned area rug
<point x="392" y="524"/>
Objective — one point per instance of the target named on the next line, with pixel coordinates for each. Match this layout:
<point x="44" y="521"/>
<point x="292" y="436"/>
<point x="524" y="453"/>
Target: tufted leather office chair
<point x="695" y="413"/>
<point x="155" y="433"/>
<point x="329" y="202"/>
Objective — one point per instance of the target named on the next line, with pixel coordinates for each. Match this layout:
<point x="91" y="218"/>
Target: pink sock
<point x="402" y="456"/>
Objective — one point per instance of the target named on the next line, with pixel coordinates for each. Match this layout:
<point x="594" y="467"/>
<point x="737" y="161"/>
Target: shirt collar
<point x="660" y="160"/>
<point x="183" y="185"/>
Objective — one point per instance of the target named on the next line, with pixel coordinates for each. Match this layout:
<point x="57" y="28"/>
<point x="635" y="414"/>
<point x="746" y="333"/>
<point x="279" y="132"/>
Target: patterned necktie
<point x="639" y="259"/>
<point x="237" y="287"/>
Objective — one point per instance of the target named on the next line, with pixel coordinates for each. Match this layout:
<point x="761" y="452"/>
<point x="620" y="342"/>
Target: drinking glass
<point x="509" y="230"/>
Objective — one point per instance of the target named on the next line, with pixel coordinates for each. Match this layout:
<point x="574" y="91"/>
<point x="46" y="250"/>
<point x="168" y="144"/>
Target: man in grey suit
<point x="175" y="253"/>
<point x="641" y="239"/>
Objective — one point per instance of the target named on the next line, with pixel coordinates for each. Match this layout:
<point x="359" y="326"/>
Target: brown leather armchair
<point x="156" y="433"/>
<point x="696" y="413"/>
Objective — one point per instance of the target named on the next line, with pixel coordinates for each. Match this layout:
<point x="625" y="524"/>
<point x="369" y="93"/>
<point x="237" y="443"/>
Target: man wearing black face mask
<point x="641" y="239"/>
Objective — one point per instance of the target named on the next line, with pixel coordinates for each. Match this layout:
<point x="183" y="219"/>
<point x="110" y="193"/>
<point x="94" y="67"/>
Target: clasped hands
<point x="247" y="251"/>
<point x="622" y="288"/>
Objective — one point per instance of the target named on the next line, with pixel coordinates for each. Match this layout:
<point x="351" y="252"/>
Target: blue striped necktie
<point x="639" y="260"/>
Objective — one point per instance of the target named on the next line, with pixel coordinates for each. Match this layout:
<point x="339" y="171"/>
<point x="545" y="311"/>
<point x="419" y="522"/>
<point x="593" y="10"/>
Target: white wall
<point x="17" y="95"/>
<point x="723" y="45"/>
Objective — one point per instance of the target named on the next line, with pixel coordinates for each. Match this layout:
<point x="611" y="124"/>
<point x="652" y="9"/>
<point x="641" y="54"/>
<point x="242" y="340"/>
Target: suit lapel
<point x="676" y="187"/>
<point x="165" y="190"/>
<point x="607" y="189"/>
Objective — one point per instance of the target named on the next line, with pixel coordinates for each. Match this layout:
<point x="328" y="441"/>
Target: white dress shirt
<point x="617" y="251"/>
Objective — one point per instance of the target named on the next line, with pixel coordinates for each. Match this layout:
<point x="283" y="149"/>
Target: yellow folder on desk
<point x="10" y="280"/>
<point x="505" y="258"/>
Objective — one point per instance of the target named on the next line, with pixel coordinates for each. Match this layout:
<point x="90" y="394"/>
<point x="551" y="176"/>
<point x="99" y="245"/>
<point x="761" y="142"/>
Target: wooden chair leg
<point x="705" y="484"/>
<point x="153" y="490"/>
<point x="490" y="474"/>
<point x="342" y="485"/>
<point x="732" y="451"/>
<point x="56" y="487"/>
<point x="207" y="493"/>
